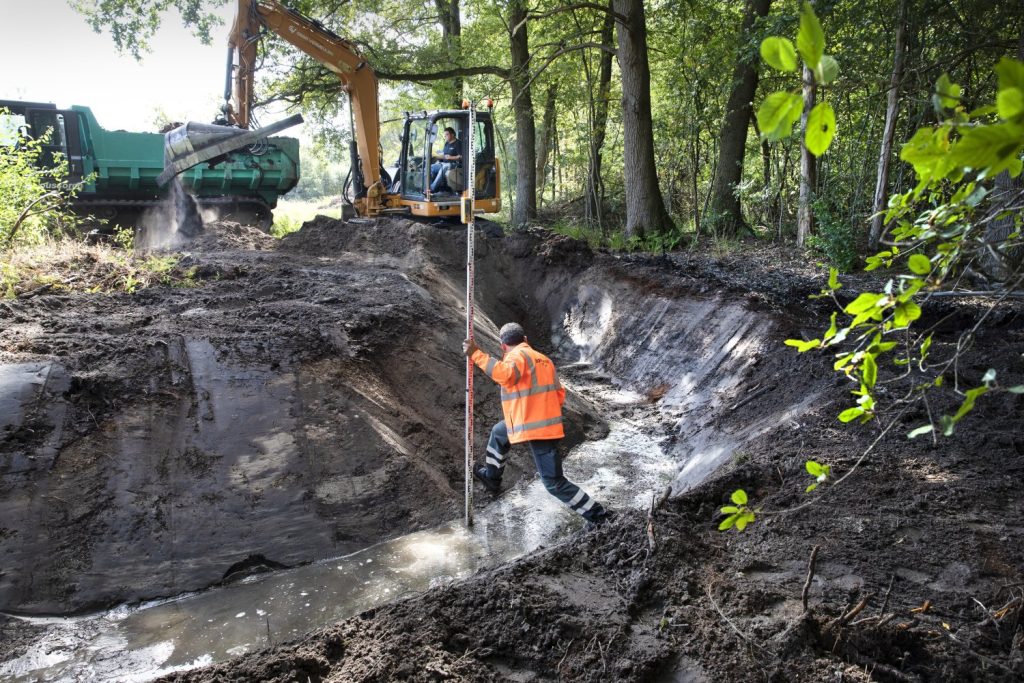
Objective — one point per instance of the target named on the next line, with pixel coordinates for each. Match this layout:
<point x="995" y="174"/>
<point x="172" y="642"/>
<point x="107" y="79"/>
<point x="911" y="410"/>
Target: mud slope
<point x="296" y="404"/>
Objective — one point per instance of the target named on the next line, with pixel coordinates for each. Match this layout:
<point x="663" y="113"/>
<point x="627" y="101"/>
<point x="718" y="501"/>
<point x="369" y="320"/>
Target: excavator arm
<point x="341" y="56"/>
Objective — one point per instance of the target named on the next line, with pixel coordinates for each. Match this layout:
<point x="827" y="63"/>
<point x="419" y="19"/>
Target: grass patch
<point x="66" y="266"/>
<point x="290" y="214"/>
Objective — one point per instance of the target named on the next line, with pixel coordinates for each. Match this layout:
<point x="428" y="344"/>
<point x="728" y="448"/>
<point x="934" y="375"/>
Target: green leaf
<point x="833" y="279"/>
<point x="863" y="303"/>
<point x="1010" y="103"/>
<point x="744" y="519"/>
<point x="802" y="345"/>
<point x="970" y="396"/>
<point x="947" y="93"/>
<point x="821" y="128"/>
<point x="810" y="40"/>
<point x="928" y="152"/>
<point x="779" y="53"/>
<point x="948" y="424"/>
<point x="989" y="149"/>
<point x="850" y="414"/>
<point x="739" y="496"/>
<point x="730" y="509"/>
<point x="811" y="487"/>
<point x="906" y="313"/>
<point x="842" y="361"/>
<point x="813" y="468"/>
<point x="920" y="431"/>
<point x="1019" y="389"/>
<point x="828" y="70"/>
<point x="1011" y="73"/>
<point x="919" y="264"/>
<point x="728" y="522"/>
<point x="831" y="332"/>
<point x="778" y="113"/>
<point x="869" y="370"/>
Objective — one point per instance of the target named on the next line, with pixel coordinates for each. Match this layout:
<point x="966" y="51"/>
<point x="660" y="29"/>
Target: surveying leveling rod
<point x="468" y="206"/>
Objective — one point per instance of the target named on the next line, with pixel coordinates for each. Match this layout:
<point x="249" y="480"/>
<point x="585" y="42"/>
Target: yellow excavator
<point x="374" y="190"/>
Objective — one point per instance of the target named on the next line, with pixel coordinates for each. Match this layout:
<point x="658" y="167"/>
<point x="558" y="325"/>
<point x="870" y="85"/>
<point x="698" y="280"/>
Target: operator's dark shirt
<point x="452" y="149"/>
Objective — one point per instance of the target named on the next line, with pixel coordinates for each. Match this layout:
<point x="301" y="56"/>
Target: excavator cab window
<point x="414" y="175"/>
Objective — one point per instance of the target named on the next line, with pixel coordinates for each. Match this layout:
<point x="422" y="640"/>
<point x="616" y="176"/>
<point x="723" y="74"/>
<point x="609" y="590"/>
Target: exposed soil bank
<point x="347" y="333"/>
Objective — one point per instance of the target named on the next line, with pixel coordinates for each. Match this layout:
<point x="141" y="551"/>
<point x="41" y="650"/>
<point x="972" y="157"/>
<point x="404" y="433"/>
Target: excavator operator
<point x="449" y="158"/>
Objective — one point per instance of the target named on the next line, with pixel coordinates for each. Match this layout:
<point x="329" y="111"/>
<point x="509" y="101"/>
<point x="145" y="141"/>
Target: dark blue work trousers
<point x="549" y="467"/>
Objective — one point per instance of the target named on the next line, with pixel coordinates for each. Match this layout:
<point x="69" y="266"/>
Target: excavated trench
<point x="195" y="473"/>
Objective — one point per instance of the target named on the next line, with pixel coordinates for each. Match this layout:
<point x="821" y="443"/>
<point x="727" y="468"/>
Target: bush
<point x="835" y="239"/>
<point x="33" y="199"/>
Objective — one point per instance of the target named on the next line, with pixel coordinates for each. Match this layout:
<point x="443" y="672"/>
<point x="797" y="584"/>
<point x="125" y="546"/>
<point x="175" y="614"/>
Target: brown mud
<point x="304" y="401"/>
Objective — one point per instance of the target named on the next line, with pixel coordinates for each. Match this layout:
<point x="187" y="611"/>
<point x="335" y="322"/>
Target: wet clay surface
<point x="918" y="576"/>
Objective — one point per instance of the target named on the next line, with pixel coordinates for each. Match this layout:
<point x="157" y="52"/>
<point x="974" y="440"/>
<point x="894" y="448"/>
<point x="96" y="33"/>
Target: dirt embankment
<point x="918" y="575"/>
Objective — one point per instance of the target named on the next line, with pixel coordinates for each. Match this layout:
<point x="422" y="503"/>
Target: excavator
<point x="374" y="190"/>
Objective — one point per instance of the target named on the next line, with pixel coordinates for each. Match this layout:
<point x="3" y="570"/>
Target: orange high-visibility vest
<point x="531" y="395"/>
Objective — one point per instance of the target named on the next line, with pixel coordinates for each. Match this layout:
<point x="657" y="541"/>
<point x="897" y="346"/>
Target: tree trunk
<point x="546" y="142"/>
<point x="645" y="208"/>
<point x="808" y="165"/>
<point x="888" y="132"/>
<point x="595" y="183"/>
<point x="525" y="208"/>
<point x="1002" y="265"/>
<point x="726" y="218"/>
<point x="450" y="18"/>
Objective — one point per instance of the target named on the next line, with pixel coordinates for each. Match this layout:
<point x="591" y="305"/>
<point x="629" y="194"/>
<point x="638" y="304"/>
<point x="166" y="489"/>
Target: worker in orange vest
<point x="531" y="400"/>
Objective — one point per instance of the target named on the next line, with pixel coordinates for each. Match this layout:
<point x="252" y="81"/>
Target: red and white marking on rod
<point x="468" y="212"/>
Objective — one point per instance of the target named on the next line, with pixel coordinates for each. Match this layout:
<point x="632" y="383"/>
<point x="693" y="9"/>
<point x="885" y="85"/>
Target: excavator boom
<point x="341" y="56"/>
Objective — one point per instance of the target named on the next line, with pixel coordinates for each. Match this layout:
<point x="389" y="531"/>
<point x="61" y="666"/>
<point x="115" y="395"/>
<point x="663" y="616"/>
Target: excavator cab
<point x="422" y="138"/>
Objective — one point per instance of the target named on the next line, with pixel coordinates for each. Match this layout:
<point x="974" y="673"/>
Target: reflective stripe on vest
<point x="510" y="395"/>
<point x="491" y="362"/>
<point x="519" y="429"/>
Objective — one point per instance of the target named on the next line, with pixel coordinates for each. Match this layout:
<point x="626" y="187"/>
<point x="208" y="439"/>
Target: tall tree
<point x="594" y="190"/>
<point x="450" y="18"/>
<point x="546" y="141"/>
<point x="808" y="164"/>
<point x="645" y="207"/>
<point x="888" y="132"/>
<point x="726" y="216"/>
<point x="525" y="207"/>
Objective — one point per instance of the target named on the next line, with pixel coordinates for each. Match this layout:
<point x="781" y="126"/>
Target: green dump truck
<point x="122" y="167"/>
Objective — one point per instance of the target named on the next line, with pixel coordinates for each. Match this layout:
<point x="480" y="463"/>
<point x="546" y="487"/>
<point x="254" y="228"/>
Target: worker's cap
<point x="511" y="334"/>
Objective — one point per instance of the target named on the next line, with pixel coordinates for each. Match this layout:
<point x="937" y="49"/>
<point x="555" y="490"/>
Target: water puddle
<point x="142" y="642"/>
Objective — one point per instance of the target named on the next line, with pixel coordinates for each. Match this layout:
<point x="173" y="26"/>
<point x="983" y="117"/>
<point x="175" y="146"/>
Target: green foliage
<point x="132" y="23"/>
<point x="737" y="515"/>
<point x="33" y="198"/>
<point x="780" y="110"/>
<point x="820" y="472"/>
<point x="930" y="247"/>
<point x="835" y="239"/>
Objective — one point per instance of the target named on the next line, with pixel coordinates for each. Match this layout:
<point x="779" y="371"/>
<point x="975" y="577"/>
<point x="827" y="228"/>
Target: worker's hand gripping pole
<point x="468" y="207"/>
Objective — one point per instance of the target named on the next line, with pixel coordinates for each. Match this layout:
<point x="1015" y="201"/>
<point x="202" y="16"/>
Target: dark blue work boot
<point x="599" y="520"/>
<point x="491" y="484"/>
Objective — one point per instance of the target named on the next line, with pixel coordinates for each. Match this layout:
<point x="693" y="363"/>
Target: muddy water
<point x="140" y="643"/>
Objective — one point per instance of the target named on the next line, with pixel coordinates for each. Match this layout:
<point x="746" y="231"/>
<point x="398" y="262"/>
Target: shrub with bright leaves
<point x="937" y="232"/>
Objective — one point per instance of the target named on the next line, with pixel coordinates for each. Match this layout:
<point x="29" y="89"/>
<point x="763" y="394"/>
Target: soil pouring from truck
<point x="374" y="191"/>
<point x="122" y="167"/>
